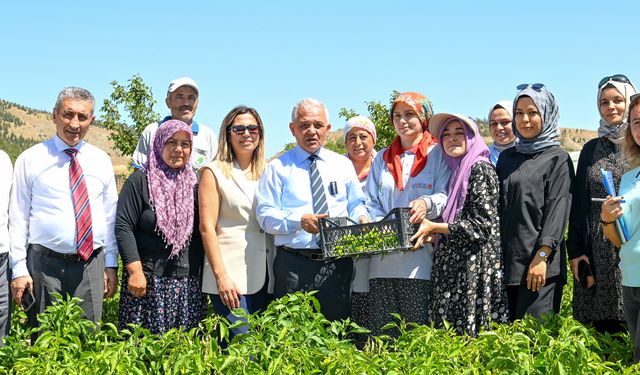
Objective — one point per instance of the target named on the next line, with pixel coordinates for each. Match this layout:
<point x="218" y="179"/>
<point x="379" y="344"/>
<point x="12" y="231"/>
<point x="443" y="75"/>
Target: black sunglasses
<point x="634" y="97"/>
<point x="534" y="86"/>
<point x="616" y="77"/>
<point x="240" y="129"/>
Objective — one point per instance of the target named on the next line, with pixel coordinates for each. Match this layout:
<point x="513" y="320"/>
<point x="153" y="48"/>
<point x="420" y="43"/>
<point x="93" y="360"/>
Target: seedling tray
<point x="342" y="237"/>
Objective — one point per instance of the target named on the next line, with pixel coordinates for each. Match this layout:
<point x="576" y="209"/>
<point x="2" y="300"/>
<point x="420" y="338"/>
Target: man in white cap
<point x="182" y="100"/>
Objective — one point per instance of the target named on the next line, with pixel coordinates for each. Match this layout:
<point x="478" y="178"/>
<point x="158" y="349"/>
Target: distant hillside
<point x="22" y="127"/>
<point x="570" y="139"/>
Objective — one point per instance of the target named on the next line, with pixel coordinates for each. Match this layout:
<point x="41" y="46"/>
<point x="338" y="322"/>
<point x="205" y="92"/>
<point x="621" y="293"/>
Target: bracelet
<point x="606" y="222"/>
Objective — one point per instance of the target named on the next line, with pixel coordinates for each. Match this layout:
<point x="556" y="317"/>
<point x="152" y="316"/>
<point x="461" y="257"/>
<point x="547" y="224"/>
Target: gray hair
<point x="308" y="104"/>
<point x="74" y="93"/>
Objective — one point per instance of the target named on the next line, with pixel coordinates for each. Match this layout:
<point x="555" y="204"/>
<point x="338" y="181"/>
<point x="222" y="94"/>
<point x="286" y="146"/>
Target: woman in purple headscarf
<point x="161" y="252"/>
<point x="467" y="275"/>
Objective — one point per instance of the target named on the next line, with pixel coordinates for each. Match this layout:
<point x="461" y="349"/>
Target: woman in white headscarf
<point x="500" y="127"/>
<point x="599" y="301"/>
<point x="360" y="138"/>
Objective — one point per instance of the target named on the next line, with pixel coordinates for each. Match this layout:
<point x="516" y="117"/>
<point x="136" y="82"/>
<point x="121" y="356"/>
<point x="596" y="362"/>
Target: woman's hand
<point x="418" y="210"/>
<point x="611" y="209"/>
<point x="228" y="292"/>
<point x="137" y="284"/>
<point x="424" y="234"/>
<point x="574" y="265"/>
<point x="537" y="275"/>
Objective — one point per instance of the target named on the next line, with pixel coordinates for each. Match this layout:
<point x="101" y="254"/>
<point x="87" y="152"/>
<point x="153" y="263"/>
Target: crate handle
<point x="326" y="220"/>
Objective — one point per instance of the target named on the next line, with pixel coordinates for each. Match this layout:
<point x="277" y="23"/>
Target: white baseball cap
<point x="182" y="81"/>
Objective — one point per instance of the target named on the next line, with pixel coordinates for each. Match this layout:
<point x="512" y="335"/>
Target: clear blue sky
<point x="464" y="56"/>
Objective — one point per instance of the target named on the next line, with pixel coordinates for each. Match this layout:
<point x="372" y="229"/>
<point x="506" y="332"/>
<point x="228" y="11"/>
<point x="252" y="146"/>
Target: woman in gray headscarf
<point x="535" y="194"/>
<point x="598" y="300"/>
<point x="500" y="128"/>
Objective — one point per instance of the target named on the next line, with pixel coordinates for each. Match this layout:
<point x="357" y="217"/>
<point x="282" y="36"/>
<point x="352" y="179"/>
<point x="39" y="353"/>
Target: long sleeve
<point x="578" y="235"/>
<point x="271" y="217"/>
<point x="19" y="209"/>
<point x="439" y="195"/>
<point x="371" y="188"/>
<point x="6" y="176"/>
<point x="110" y="199"/>
<point x="557" y="204"/>
<point x="128" y="215"/>
<point x="480" y="209"/>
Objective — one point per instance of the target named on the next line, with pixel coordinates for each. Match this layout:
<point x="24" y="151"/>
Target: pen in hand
<point x="604" y="199"/>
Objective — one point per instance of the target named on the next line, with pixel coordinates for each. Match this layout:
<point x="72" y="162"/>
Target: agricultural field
<point x="291" y="337"/>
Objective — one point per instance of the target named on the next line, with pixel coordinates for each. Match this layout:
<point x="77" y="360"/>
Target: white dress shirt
<point x="5" y="190"/>
<point x="284" y="194"/>
<point x="41" y="206"/>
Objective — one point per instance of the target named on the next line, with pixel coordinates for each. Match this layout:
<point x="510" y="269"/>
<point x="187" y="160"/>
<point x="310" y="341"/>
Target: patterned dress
<point x="604" y="300"/>
<point x="468" y="270"/>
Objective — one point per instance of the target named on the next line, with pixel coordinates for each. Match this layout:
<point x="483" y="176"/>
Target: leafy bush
<point x="292" y="337"/>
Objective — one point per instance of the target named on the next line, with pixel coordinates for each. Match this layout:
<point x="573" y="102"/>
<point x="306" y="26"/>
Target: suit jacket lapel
<point x="238" y="180"/>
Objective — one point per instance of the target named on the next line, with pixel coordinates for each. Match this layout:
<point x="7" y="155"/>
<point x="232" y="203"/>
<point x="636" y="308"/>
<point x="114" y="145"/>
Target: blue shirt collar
<point x="61" y="145"/>
<point x="301" y="155"/>
<point x="195" y="127"/>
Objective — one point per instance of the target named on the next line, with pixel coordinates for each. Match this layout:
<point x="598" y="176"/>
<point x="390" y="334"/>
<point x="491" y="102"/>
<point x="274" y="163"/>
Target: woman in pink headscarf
<point x="467" y="274"/>
<point x="360" y="138"/>
<point x="161" y="252"/>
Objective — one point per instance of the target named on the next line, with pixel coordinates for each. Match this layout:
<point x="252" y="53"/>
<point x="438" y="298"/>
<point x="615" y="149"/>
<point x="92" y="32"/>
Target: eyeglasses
<point x="240" y="129"/>
<point x="616" y="77"/>
<point x="535" y="86"/>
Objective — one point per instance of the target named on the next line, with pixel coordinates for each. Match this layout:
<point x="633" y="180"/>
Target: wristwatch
<point x="543" y="254"/>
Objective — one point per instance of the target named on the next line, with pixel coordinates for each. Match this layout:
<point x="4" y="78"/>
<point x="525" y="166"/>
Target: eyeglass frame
<point x="616" y="78"/>
<point x="534" y="86"/>
<point x="256" y="129"/>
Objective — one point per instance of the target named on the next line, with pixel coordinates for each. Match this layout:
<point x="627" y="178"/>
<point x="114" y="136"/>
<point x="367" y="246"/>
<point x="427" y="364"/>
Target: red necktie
<point x="81" y="206"/>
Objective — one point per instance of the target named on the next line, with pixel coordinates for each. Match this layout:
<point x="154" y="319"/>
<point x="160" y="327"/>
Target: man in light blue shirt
<point x="286" y="210"/>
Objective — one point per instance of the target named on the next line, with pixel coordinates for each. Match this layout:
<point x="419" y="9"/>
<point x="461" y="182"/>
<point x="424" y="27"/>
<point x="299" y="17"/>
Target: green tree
<point x="379" y="114"/>
<point x="137" y="101"/>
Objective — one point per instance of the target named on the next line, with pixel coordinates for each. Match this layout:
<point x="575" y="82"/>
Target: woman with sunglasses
<point x="236" y="271"/>
<point x="597" y="299"/>
<point x="535" y="181"/>
<point x="500" y="129"/>
<point x="614" y="208"/>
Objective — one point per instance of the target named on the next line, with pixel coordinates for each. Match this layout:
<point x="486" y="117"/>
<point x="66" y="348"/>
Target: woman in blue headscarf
<point x="535" y="196"/>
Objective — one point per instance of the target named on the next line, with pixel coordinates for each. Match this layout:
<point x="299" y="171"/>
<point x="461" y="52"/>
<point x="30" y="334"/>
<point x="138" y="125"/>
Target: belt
<point x="66" y="257"/>
<point x="315" y="254"/>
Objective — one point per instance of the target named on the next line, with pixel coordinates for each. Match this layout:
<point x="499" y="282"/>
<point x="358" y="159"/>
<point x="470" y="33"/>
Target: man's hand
<point x="18" y="285"/>
<point x="110" y="282"/>
<point x="364" y="219"/>
<point x="310" y="222"/>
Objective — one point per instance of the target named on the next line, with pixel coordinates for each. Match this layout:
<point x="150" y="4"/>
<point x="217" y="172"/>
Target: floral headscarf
<point x="392" y="155"/>
<point x="171" y="190"/>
